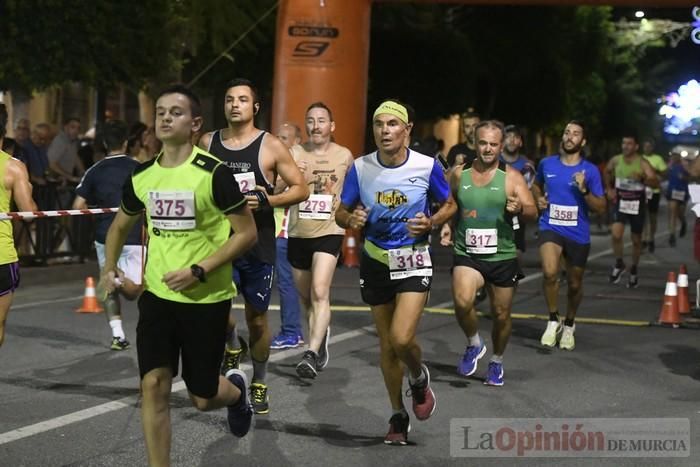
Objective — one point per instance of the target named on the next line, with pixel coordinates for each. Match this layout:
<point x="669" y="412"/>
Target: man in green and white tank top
<point x="626" y="178"/>
<point x="489" y="194"/>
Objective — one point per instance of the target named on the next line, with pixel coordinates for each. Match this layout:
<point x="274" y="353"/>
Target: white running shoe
<point x="567" y="341"/>
<point x="549" y="338"/>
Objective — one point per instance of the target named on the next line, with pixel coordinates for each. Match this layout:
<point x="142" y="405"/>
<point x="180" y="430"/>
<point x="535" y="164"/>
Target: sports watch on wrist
<point x="198" y="272"/>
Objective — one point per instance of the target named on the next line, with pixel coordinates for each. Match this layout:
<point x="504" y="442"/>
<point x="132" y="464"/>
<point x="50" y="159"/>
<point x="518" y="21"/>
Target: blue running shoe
<point x="284" y="341"/>
<point x="240" y="414"/>
<point x="494" y="376"/>
<point x="467" y="366"/>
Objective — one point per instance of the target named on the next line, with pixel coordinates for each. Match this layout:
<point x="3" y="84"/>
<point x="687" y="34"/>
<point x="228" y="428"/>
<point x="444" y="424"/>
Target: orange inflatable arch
<point x="322" y="54"/>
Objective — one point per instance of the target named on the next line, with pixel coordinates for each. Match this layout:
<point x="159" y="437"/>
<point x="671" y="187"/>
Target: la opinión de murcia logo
<point x="585" y="437"/>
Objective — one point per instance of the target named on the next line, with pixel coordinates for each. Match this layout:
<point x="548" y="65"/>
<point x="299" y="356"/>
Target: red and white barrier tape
<point x="60" y="213"/>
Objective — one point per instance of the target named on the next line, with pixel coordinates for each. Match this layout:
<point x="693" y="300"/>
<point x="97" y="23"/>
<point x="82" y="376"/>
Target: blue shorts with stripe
<point x="253" y="279"/>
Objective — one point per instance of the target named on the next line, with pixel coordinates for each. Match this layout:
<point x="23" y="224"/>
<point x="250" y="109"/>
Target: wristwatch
<point x="585" y="192"/>
<point x="198" y="272"/>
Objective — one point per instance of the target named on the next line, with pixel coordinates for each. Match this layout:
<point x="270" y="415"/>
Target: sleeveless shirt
<point x="245" y="163"/>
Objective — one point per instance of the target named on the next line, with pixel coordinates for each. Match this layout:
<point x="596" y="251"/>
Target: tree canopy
<point x="48" y="42"/>
<point x="537" y="66"/>
<point x="532" y="65"/>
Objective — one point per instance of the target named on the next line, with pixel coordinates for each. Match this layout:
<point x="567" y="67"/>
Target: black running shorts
<point x="9" y="278"/>
<point x="653" y="203"/>
<point x="300" y="251"/>
<point x="377" y="288"/>
<point x="576" y="254"/>
<point x="196" y="332"/>
<point x="635" y="221"/>
<point x="504" y="273"/>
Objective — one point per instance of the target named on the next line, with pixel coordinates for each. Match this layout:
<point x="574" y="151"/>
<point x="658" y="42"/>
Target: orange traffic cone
<point x="90" y="304"/>
<point x="683" y="302"/>
<point x="351" y="257"/>
<point x="669" y="309"/>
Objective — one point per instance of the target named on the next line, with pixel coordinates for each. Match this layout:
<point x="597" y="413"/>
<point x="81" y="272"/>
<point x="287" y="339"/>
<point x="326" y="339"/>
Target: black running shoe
<point x="308" y="366"/>
<point x="616" y="274"/>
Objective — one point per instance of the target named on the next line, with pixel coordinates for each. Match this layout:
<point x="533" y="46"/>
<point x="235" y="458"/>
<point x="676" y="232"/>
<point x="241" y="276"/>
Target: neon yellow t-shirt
<point x="8" y="253"/>
<point x="658" y="164"/>
<point x="186" y="208"/>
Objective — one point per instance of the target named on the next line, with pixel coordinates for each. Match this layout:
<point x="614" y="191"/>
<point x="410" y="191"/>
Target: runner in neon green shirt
<point x="15" y="186"/>
<point x="191" y="207"/>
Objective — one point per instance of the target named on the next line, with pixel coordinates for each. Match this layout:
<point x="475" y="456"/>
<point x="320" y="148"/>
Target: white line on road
<point x="47" y="302"/>
<point x="131" y="401"/>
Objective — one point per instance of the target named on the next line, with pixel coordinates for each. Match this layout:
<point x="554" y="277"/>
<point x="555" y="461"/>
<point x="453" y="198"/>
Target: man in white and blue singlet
<point x="566" y="188"/>
<point x="388" y="194"/>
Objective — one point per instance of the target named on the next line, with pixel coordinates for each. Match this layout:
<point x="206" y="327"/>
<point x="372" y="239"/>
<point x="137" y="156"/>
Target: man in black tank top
<point x="256" y="158"/>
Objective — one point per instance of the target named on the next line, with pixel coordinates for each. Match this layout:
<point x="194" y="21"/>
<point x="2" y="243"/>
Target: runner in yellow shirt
<point x="15" y="187"/>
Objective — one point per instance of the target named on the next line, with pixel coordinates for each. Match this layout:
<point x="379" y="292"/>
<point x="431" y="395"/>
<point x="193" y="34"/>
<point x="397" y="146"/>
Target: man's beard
<point x="513" y="153"/>
<point x="574" y="150"/>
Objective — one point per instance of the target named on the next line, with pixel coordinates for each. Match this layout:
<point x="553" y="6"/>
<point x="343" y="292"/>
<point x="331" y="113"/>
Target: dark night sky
<point x="686" y="55"/>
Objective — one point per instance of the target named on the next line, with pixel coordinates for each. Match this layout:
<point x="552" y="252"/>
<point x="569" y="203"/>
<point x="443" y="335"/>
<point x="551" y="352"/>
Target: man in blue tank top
<point x="566" y="188"/>
<point x="256" y="158"/>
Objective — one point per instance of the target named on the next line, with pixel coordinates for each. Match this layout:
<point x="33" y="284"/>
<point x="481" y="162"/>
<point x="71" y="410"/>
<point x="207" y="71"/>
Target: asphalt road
<point x="67" y="400"/>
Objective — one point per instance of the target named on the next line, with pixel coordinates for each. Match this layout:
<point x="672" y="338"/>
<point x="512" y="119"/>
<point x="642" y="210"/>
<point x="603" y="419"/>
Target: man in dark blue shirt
<point x="101" y="187"/>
